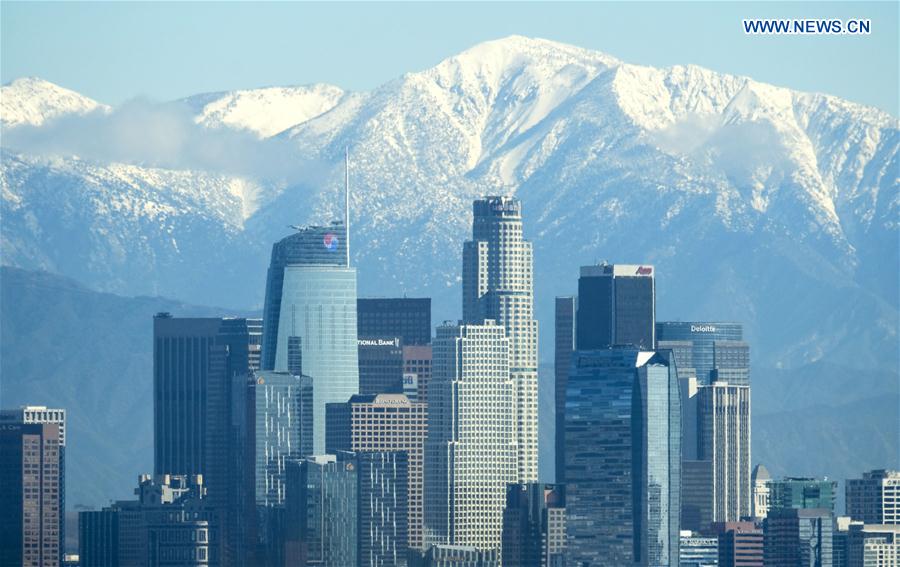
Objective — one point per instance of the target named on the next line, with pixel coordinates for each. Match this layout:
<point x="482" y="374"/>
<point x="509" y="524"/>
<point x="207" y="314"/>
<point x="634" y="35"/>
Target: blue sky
<point x="114" y="52"/>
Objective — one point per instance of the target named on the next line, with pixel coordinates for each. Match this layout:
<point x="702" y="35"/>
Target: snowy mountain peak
<point x="265" y="111"/>
<point x="33" y="101"/>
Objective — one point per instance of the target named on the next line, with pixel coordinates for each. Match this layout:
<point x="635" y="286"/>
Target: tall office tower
<point x="724" y="441"/>
<point x="759" y="479"/>
<point x="872" y="545"/>
<point x="874" y="498"/>
<point x="321" y="511"/>
<point x="740" y="544"/>
<point x="406" y="317"/>
<point x="279" y="421"/>
<point x="697" y="496"/>
<point x="310" y="311"/>
<point x="623" y="462"/>
<point x="198" y="365"/>
<point x="417" y="370"/>
<point x="564" y="345"/>
<point x="498" y="285"/>
<point x="702" y="347"/>
<point x="385" y="423"/>
<point x="43" y="414"/>
<point x="698" y="551"/>
<point x="470" y="445"/>
<point x="616" y="306"/>
<point x="380" y="365"/>
<point x="798" y="537"/>
<point x="382" y="481"/>
<point x="29" y="494"/>
<point x="792" y="492"/>
<point x="534" y="525"/>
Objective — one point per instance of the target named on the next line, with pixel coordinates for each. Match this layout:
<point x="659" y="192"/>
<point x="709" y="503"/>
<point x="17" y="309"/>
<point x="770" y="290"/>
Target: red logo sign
<point x="644" y="271"/>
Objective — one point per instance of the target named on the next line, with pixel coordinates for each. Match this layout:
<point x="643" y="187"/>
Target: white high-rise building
<point x="498" y="285"/>
<point x="724" y="440"/>
<point x="469" y="449"/>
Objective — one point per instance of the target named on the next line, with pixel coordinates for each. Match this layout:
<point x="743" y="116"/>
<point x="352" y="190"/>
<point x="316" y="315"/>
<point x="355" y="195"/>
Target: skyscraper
<point x="497" y="284"/>
<point x="385" y="423"/>
<point x="198" y="365"/>
<point x="29" y="494"/>
<point x="310" y="310"/>
<point x="616" y="306"/>
<point x="874" y="498"/>
<point x="322" y="511"/>
<point x="470" y="446"/>
<point x="623" y="459"/>
<point x="534" y="525"/>
<point x="43" y="414"/>
<point x="408" y="318"/>
<point x="724" y="441"/>
<point x="564" y="345"/>
<point x="380" y="364"/>
<point x="709" y="345"/>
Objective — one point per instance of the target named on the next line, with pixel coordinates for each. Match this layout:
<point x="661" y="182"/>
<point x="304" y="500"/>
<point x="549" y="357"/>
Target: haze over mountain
<point x="756" y="203"/>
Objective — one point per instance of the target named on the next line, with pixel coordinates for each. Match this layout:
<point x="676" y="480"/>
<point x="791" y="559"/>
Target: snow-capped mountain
<point x="33" y="101"/>
<point x="267" y="111"/>
<point x="752" y="200"/>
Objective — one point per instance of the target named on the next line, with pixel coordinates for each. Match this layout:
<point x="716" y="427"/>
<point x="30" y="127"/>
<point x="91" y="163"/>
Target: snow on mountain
<point x="266" y="111"/>
<point x="767" y="192"/>
<point x="33" y="101"/>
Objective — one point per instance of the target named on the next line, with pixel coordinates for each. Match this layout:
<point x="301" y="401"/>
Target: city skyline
<point x="198" y="368"/>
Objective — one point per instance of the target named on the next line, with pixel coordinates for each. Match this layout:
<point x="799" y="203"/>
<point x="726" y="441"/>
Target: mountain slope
<point x="91" y="353"/>
<point x="267" y="111"/>
<point x="33" y="101"/>
<point x="756" y="203"/>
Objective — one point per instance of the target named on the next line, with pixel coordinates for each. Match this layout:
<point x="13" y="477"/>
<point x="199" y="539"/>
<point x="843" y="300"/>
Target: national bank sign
<point x="395" y="342"/>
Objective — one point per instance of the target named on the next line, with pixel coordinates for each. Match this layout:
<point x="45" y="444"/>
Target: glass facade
<point x="623" y="459"/>
<point x="406" y="317"/>
<point x="616" y="306"/>
<point x="703" y="346"/>
<point x="564" y="345"/>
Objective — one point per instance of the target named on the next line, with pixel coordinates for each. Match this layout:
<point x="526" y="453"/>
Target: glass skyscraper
<point x="497" y="282"/>
<point x="310" y="314"/>
<point x="616" y="306"/>
<point x="701" y="347"/>
<point x="623" y="459"/>
<point x="564" y="345"/>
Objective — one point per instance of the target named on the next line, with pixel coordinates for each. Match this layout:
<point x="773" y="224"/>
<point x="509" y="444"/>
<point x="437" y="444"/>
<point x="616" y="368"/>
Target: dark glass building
<point x="408" y="318"/>
<point x="29" y="494"/>
<point x="623" y="459"/>
<point x="382" y="508"/>
<point x="200" y="367"/>
<point x="792" y="492"/>
<point x="798" y="537"/>
<point x="534" y="525"/>
<point x="321" y="511"/>
<point x="380" y="365"/>
<point x="616" y="306"/>
<point x="564" y="345"/>
<point x="702" y="347"/>
<point x="98" y="538"/>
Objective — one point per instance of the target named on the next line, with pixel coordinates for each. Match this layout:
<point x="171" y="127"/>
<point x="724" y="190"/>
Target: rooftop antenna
<point x="347" y="200"/>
